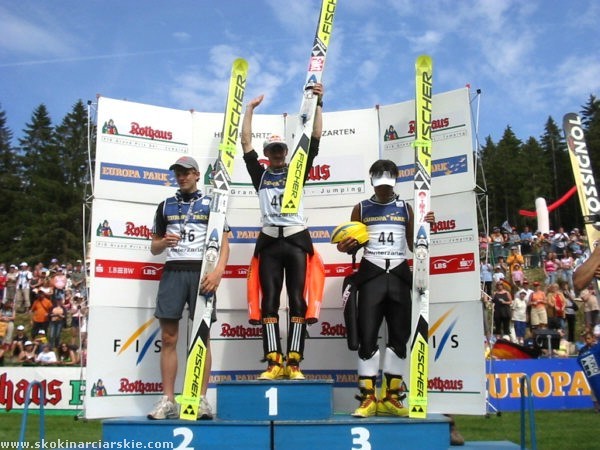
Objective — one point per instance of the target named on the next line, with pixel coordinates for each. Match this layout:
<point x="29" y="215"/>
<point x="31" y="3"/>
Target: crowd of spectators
<point x="518" y="308"/>
<point x="43" y="313"/>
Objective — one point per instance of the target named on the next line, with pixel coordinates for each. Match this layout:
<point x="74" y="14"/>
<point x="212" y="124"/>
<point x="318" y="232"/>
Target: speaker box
<point x="541" y="338"/>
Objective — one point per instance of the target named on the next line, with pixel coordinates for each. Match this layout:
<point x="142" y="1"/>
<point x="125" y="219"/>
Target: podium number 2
<point x="271" y="394"/>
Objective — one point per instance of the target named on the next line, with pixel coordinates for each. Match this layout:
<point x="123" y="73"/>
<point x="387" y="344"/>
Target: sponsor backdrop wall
<point x="557" y="383"/>
<point x="137" y="144"/>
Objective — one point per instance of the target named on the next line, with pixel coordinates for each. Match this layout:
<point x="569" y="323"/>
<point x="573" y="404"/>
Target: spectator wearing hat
<point x="40" y="310"/>
<point x="46" y="357"/>
<point x="503" y="266"/>
<point x="54" y="264"/>
<point x="498" y="275"/>
<point x="22" y="299"/>
<point x="515" y="257"/>
<point x="517" y="275"/>
<point x="497" y="240"/>
<point x="18" y="341"/>
<point x="575" y="241"/>
<point x="28" y="355"/>
<point x="560" y="240"/>
<point x="538" y="314"/>
<point x="519" y="315"/>
<point x="526" y="243"/>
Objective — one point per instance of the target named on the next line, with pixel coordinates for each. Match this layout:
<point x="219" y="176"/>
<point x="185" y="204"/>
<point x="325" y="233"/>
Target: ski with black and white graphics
<point x="294" y="185"/>
<point x="419" y="353"/>
<point x="221" y="180"/>
<point x="589" y="200"/>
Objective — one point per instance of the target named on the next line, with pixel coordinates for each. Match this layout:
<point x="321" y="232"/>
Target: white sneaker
<point x="164" y="409"/>
<point x="205" y="411"/>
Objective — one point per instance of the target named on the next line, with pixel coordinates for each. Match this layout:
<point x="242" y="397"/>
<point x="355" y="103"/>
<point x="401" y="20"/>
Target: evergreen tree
<point x="10" y="193"/>
<point x="71" y="136"/>
<point x="43" y="186"/>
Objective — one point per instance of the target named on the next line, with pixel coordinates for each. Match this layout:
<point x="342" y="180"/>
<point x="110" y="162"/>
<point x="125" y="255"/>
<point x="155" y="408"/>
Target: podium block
<point x="215" y="434"/>
<point x="275" y="400"/>
<point x="381" y="433"/>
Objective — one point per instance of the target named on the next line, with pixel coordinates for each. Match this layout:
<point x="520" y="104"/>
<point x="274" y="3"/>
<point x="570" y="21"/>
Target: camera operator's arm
<point x="586" y="272"/>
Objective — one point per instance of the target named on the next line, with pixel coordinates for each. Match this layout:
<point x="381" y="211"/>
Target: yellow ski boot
<point x="393" y="394"/>
<point x="275" y="370"/>
<point x="292" y="369"/>
<point x="367" y="399"/>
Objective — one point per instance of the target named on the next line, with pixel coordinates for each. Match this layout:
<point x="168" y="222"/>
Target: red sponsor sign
<point x="442" y="265"/>
<point x="131" y="270"/>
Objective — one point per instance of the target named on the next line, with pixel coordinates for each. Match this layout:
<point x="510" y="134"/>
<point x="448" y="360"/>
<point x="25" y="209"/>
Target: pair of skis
<point x="589" y="200"/>
<point x="419" y="354"/>
<point x="221" y="180"/>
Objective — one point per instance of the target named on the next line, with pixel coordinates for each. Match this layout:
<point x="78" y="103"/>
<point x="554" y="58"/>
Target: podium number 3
<point x="271" y="394"/>
<point x="361" y="438"/>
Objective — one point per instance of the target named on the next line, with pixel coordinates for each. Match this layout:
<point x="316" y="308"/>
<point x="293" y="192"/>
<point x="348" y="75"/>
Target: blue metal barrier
<point x="26" y="410"/>
<point x="527" y="403"/>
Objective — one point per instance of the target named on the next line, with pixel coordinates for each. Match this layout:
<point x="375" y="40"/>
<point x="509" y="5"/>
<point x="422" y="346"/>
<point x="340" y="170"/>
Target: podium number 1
<point x="271" y="394"/>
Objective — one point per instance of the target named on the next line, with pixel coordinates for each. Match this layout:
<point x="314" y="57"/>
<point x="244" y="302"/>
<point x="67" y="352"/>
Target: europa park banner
<point x="136" y="145"/>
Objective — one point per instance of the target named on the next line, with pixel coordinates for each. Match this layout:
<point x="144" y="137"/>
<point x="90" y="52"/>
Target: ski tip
<point x="240" y="64"/>
<point x="424" y="61"/>
<point x="570" y="117"/>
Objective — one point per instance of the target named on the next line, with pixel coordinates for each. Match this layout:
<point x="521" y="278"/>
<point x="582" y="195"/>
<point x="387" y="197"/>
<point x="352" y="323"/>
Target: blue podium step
<point x="275" y="400"/>
<point x="139" y="432"/>
<point x="339" y="431"/>
<point x="381" y="433"/>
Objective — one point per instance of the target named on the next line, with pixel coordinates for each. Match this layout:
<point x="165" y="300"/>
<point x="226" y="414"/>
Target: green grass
<point x="555" y="430"/>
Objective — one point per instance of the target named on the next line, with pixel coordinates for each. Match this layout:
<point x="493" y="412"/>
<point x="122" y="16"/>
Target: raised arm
<point x="317" y="130"/>
<point x="246" y="138"/>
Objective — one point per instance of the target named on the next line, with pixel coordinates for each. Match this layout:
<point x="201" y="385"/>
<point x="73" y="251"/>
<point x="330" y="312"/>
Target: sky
<point x="529" y="59"/>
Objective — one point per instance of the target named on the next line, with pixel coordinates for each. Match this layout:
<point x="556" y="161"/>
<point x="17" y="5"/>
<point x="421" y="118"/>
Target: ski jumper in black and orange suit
<point x="282" y="248"/>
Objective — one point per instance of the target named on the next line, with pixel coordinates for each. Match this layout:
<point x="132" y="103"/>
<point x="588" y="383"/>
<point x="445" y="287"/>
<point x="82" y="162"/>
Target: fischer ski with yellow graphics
<point x="589" y="200"/>
<point x="294" y="185"/>
<point x="221" y="180"/>
<point x="419" y="353"/>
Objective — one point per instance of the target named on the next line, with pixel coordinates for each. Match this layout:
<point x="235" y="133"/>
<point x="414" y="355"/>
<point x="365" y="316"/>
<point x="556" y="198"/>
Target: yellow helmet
<point x="356" y="230"/>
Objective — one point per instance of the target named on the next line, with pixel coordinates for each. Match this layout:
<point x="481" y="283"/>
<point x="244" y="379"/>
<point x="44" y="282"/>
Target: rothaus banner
<point x="125" y="275"/>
